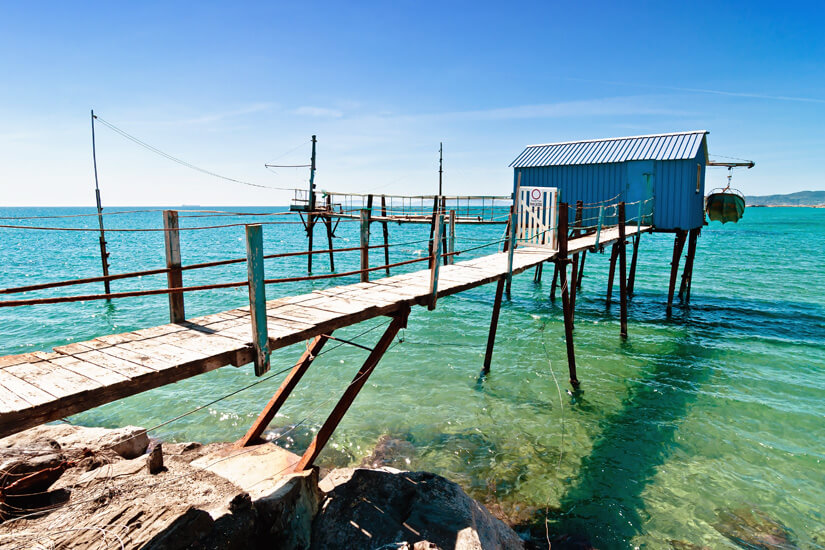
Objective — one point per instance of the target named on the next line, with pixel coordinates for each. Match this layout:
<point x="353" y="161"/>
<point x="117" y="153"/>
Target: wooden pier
<point x="40" y="387"/>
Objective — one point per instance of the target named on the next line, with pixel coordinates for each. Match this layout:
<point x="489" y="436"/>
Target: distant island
<point x="800" y="198"/>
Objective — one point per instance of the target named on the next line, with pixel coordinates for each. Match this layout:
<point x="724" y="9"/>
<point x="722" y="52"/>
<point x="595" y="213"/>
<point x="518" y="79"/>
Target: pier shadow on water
<point x="605" y="502"/>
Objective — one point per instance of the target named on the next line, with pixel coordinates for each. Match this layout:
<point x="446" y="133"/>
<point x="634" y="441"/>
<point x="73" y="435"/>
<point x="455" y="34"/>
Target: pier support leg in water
<point x="537" y="274"/>
<point x="687" y="273"/>
<point x="328" y="224"/>
<point x="399" y="321"/>
<point x="567" y="306"/>
<point x="283" y="392"/>
<point x="678" y="246"/>
<point x="622" y="270"/>
<point x="553" y="284"/>
<point x="611" y="271"/>
<point x="491" y="337"/>
<point x="631" y="279"/>
<point x="581" y="270"/>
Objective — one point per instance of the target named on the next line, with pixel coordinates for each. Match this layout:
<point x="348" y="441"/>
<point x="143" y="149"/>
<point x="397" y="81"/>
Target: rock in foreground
<point x="395" y="509"/>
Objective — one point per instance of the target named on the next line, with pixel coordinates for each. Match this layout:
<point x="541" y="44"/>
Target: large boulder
<point x="395" y="509"/>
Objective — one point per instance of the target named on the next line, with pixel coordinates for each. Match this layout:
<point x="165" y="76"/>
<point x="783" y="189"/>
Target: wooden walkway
<point x="40" y="387"/>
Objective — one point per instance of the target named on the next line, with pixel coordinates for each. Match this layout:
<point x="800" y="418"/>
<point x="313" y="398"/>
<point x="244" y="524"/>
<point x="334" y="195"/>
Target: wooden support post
<point x="257" y="296"/>
<point x="365" y="243"/>
<point x="599" y="228"/>
<point x="174" y="277"/>
<point x="328" y="223"/>
<point x="574" y="272"/>
<point x="678" y="246"/>
<point x="491" y="337"/>
<point x="622" y="270"/>
<point x="432" y="226"/>
<point x="581" y="269"/>
<point x="614" y="254"/>
<point x="511" y="239"/>
<point x="450" y="260"/>
<point x="385" y="230"/>
<point x="286" y="387"/>
<point x="631" y="279"/>
<point x="310" y="231"/>
<point x="555" y="281"/>
<point x="435" y="261"/>
<point x="567" y="306"/>
<point x="322" y="437"/>
<point x="537" y="275"/>
<point x="687" y="274"/>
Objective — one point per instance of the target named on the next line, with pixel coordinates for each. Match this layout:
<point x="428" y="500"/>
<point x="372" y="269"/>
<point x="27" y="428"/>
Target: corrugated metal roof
<point x="676" y="146"/>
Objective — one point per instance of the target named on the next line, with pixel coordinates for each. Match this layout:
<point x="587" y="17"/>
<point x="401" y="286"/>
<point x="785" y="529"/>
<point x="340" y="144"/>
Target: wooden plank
<point x="123" y="367"/>
<point x="9" y="401"/>
<point x="53" y="379"/>
<point x="128" y="359"/>
<point x="97" y="373"/>
<point x="23" y="389"/>
<point x="10" y="360"/>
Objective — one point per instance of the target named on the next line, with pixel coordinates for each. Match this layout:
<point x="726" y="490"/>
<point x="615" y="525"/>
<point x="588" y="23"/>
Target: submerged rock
<point x="389" y="451"/>
<point x="754" y="530"/>
<point x="395" y="509"/>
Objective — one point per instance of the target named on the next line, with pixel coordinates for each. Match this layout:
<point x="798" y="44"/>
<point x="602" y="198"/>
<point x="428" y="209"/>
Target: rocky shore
<point x="71" y="487"/>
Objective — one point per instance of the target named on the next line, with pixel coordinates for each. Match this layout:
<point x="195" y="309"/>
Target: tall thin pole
<point x="104" y="256"/>
<point x="310" y="218"/>
<point x="440" y="165"/>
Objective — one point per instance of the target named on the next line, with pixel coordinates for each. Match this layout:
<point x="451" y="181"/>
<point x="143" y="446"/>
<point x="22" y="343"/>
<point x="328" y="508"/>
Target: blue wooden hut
<point x="669" y="168"/>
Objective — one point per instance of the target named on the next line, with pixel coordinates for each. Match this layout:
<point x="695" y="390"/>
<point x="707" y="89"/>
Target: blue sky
<point x="231" y="86"/>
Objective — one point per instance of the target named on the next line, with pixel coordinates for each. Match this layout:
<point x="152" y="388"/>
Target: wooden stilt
<point x="174" y="278"/>
<point x="687" y="274"/>
<point x="257" y="297"/>
<point x="432" y="227"/>
<point x="322" y="437"/>
<point x="574" y="272"/>
<point x="631" y="280"/>
<point x="537" y="274"/>
<point x="289" y="383"/>
<point x="491" y="337"/>
<point x="581" y="269"/>
<point x="561" y="263"/>
<point x="451" y="240"/>
<point x="385" y="230"/>
<point x="104" y="255"/>
<point x="553" y="284"/>
<point x="444" y="245"/>
<point x="614" y="253"/>
<point x="365" y="243"/>
<point x="678" y="246"/>
<point x="622" y="270"/>
<point x="310" y="230"/>
<point x="328" y="224"/>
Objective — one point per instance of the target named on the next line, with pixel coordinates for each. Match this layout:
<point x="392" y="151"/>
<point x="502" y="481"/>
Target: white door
<point x="537" y="216"/>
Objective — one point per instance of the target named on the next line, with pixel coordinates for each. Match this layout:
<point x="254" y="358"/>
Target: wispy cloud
<point x="318" y="112"/>
<point x="704" y="91"/>
<point x="611" y="106"/>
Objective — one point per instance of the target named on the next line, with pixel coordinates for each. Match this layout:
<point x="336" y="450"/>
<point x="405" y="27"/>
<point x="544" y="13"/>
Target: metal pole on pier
<point x="311" y="204"/>
<point x="104" y="255"/>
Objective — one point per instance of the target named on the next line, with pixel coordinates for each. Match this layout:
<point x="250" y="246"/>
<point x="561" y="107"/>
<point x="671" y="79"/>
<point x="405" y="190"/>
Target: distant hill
<point x="800" y="198"/>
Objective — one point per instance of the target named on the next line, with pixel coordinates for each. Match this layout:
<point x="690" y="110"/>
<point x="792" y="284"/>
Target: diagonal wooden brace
<point x="283" y="392"/>
<point x="399" y="321"/>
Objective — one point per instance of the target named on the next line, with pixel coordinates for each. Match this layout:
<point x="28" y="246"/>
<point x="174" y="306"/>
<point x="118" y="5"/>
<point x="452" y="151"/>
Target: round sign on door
<point x="536" y="197"/>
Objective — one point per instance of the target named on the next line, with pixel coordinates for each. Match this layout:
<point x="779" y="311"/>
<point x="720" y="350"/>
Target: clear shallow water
<point x="719" y="408"/>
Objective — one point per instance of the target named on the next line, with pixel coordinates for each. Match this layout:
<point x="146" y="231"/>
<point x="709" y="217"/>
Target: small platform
<point x="40" y="387"/>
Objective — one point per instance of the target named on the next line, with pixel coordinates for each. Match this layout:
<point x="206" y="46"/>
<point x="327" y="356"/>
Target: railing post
<point x="386" y="233"/>
<point x="599" y="227"/>
<point x="365" y="243"/>
<point x="510" y="250"/>
<point x="174" y="277"/>
<point x="639" y="220"/>
<point x="257" y="296"/>
<point x="435" y="261"/>
<point x="451" y="240"/>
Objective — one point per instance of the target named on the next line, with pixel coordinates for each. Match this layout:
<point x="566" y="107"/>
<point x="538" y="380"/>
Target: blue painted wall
<point x="676" y="202"/>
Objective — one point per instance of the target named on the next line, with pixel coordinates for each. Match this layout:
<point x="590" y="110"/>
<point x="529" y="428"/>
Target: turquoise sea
<point x="713" y="414"/>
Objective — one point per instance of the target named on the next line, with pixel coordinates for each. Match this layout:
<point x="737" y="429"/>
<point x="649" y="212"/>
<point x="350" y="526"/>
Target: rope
<point x="179" y="161"/>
